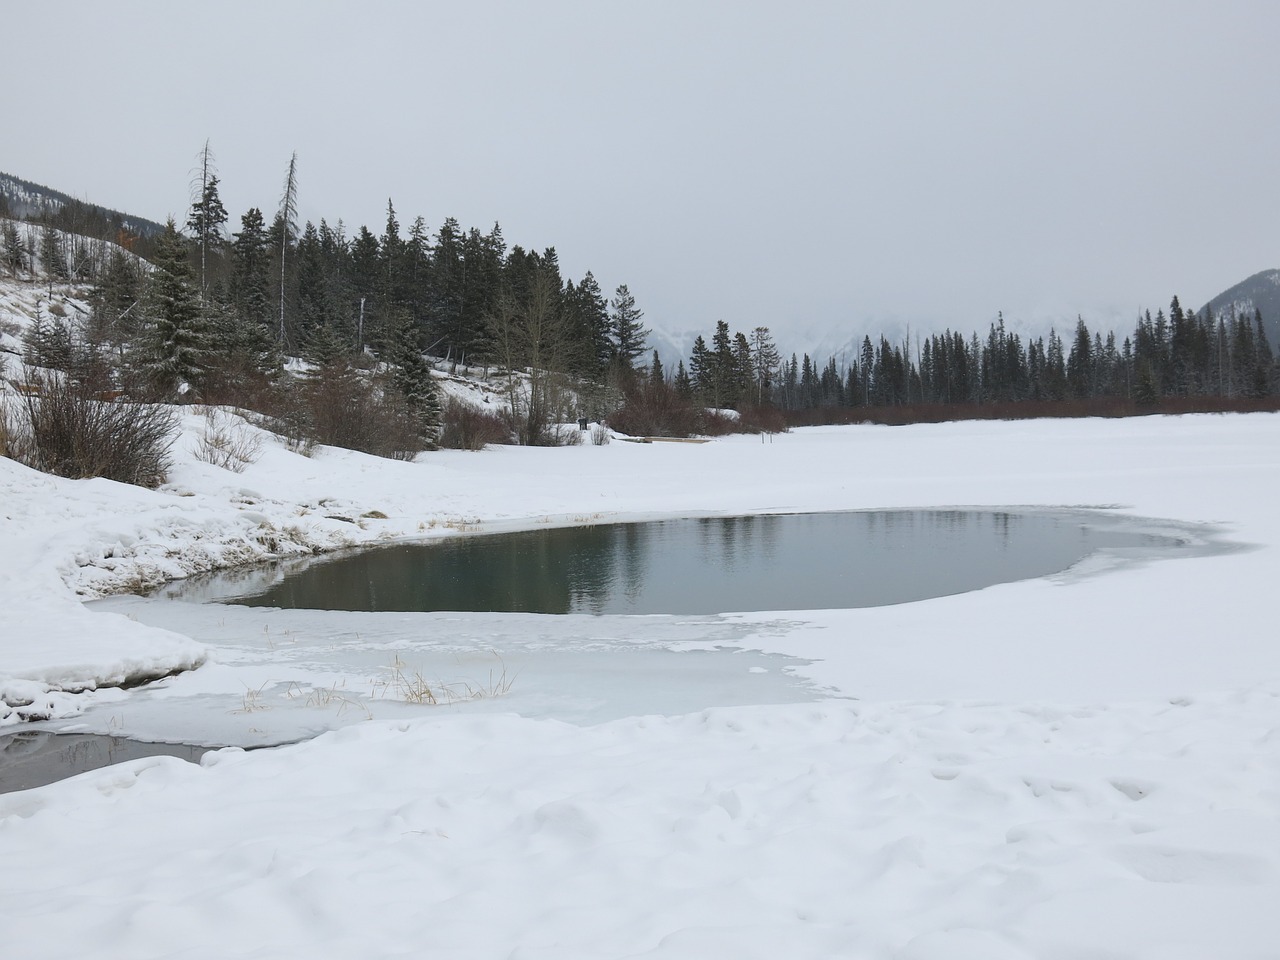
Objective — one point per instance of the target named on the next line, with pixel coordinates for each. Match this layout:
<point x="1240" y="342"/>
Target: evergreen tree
<point x="722" y="366"/>
<point x="16" y="255"/>
<point x="656" y="374"/>
<point x="250" y="270"/>
<point x="411" y="374"/>
<point x="174" y="352"/>
<point x="52" y="259"/>
<point x="591" y="326"/>
<point x="630" y="336"/>
<point x="1080" y="362"/>
<point x="683" y="384"/>
<point x="700" y="369"/>
<point x="207" y="216"/>
<point x="114" y="301"/>
<point x="765" y="363"/>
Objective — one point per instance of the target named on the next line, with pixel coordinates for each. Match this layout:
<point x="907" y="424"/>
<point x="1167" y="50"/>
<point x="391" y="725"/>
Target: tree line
<point x="1180" y="354"/>
<point x="199" y="311"/>
<point x="211" y="314"/>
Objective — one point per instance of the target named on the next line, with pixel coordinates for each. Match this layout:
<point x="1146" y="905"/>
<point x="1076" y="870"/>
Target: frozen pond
<point x="281" y="672"/>
<point x="803" y="561"/>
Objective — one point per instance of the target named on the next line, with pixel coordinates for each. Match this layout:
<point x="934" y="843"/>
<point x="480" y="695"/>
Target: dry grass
<point x="227" y="441"/>
<point x="411" y="686"/>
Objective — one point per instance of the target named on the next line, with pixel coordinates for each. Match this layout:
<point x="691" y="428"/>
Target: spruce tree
<point x="52" y="259"/>
<point x="411" y="374"/>
<point x="206" y="219"/>
<point x="16" y="255"/>
<point x="765" y="363"/>
<point x="174" y="351"/>
<point x="629" y="334"/>
<point x="656" y="374"/>
<point x="250" y="269"/>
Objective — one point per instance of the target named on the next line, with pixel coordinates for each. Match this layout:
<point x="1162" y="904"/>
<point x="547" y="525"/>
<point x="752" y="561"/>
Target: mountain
<point x="1259" y="292"/>
<point x="22" y="199"/>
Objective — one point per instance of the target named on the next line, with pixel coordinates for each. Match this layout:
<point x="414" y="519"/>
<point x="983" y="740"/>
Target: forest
<point x="214" y="312"/>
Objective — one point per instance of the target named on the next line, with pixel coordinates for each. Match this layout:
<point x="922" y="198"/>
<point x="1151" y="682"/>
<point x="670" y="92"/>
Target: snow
<point x="1083" y="766"/>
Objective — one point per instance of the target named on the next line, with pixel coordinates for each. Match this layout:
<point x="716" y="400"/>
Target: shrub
<point x="8" y="435"/>
<point x="342" y="407"/>
<point x="762" y="420"/>
<point x="656" y="410"/>
<point x="467" y="427"/>
<point x="600" y="435"/>
<point x="69" y="431"/>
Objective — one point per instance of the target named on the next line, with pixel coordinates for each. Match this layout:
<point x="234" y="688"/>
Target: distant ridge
<point x="23" y="199"/>
<point x="1259" y="292"/>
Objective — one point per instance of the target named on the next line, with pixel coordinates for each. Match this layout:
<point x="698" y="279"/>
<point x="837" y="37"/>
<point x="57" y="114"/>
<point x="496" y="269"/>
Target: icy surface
<point x="1082" y="766"/>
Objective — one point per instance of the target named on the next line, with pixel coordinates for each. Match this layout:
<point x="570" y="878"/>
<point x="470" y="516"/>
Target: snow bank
<point x="1085" y="766"/>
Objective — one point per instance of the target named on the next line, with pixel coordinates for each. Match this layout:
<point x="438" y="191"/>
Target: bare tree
<point x="288" y="217"/>
<point x="532" y="332"/>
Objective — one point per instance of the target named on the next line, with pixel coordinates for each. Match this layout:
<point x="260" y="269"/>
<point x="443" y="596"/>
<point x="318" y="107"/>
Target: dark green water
<point x="700" y="566"/>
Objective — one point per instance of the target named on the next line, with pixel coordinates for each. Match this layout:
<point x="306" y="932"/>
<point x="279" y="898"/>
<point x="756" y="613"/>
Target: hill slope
<point x="1258" y="292"/>
<point x="22" y="199"/>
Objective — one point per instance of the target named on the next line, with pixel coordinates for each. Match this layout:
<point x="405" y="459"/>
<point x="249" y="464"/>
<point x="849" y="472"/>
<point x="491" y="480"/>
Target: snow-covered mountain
<point x="1258" y="292"/>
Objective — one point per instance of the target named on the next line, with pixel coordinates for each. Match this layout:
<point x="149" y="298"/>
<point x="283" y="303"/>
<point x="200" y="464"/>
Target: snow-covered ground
<point x="1086" y="766"/>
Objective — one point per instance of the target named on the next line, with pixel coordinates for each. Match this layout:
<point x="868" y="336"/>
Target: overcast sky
<point x="816" y="168"/>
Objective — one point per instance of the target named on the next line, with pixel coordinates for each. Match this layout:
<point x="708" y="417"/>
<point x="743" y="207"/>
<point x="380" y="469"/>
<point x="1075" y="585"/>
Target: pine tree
<point x="629" y="335"/>
<point x="52" y="259"/>
<point x="1080" y="362"/>
<point x="411" y="374"/>
<point x="700" y="372"/>
<point x="591" y="326"/>
<point x="683" y="384"/>
<point x="326" y="349"/>
<point x="250" y="269"/>
<point x="722" y="366"/>
<point x="765" y="362"/>
<point x="174" y="352"/>
<point x="115" y="300"/>
<point x="208" y="216"/>
<point x="656" y="374"/>
<point x="16" y="255"/>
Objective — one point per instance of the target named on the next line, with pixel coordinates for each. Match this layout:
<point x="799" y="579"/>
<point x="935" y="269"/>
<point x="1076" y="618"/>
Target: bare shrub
<point x="600" y="435"/>
<point x="656" y="410"/>
<point x="467" y="427"/>
<point x="227" y="441"/>
<point x="9" y="437"/>
<point x="72" y="433"/>
<point x="761" y="419"/>
<point x="716" y="423"/>
<point x="539" y="410"/>
<point x="340" y="407"/>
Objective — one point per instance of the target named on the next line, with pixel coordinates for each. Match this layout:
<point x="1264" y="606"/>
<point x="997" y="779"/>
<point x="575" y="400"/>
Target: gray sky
<point x="818" y="168"/>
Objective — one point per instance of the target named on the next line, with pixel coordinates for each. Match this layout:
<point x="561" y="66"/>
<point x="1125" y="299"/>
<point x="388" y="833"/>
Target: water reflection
<point x="708" y="565"/>
<point x="33" y="758"/>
